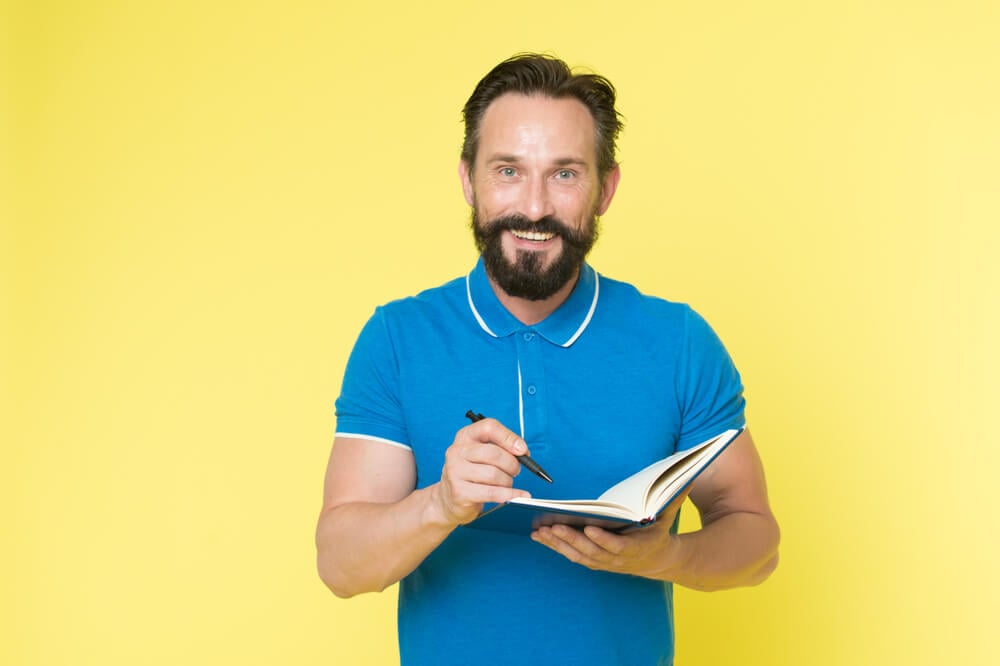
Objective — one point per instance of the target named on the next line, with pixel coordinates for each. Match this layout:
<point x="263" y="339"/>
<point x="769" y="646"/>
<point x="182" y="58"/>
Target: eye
<point x="508" y="172"/>
<point x="564" y="174"/>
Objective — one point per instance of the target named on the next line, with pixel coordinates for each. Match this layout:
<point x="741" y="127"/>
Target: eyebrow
<point x="570" y="161"/>
<point x="514" y="159"/>
<point x="502" y="157"/>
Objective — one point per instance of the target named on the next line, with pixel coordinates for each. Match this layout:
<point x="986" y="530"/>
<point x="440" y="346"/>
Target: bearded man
<point x="592" y="378"/>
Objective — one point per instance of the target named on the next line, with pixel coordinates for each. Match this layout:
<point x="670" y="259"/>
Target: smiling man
<point x="536" y="191"/>
<point x="595" y="378"/>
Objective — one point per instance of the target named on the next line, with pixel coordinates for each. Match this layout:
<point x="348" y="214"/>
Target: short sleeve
<point x="709" y="386"/>
<point x="368" y="405"/>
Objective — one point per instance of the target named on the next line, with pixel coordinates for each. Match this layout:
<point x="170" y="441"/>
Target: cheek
<point x="501" y="195"/>
<point x="494" y="203"/>
<point x="574" y="205"/>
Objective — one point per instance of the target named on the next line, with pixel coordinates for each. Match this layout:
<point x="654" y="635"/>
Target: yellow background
<point x="203" y="201"/>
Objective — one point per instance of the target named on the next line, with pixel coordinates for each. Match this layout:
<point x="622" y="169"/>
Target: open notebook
<point x="633" y="502"/>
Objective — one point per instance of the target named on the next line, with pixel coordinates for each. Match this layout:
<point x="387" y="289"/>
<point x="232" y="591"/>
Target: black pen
<point x="525" y="460"/>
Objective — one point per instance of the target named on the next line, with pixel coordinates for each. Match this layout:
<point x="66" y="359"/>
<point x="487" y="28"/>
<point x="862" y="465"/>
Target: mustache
<point x="545" y="225"/>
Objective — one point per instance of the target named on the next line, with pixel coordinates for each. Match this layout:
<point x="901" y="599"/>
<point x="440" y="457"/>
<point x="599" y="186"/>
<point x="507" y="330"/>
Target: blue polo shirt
<point x="610" y="382"/>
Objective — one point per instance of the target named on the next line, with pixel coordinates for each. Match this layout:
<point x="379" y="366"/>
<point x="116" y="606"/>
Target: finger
<point x="575" y="546"/>
<point x="581" y="541"/>
<point x="482" y="473"/>
<point x="469" y="492"/>
<point x="609" y="541"/>
<point x="549" y="539"/>
<point x="491" y="431"/>
<point x="494" y="456"/>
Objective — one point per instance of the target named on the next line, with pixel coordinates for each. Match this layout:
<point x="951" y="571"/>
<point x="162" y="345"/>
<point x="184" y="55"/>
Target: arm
<point x="737" y="544"/>
<point x="375" y="527"/>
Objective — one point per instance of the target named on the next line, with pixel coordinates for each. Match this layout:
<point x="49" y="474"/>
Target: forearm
<point x="735" y="550"/>
<point x="366" y="547"/>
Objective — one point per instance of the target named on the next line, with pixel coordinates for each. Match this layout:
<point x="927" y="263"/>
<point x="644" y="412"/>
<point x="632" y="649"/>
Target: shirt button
<point x="528" y="337"/>
<point x="532" y="390"/>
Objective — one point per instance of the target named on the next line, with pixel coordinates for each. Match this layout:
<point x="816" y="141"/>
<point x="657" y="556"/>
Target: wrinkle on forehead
<point x="540" y="127"/>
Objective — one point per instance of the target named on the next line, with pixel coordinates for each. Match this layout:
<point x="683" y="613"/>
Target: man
<point x="596" y="378"/>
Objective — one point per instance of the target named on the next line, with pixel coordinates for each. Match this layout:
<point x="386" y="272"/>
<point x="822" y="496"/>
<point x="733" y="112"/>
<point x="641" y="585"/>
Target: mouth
<point x="536" y="236"/>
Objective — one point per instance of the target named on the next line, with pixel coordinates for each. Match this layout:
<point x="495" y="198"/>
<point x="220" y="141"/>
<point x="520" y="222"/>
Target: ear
<point x="465" y="174"/>
<point x="608" y="187"/>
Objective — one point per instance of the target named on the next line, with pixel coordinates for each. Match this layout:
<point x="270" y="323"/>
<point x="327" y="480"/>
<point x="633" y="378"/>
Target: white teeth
<point x="532" y="235"/>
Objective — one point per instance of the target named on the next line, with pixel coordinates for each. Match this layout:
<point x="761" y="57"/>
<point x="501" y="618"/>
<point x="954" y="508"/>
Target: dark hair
<point x="538" y="74"/>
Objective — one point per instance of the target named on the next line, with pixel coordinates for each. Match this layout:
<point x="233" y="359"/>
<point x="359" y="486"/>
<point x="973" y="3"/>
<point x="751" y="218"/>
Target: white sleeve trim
<point x="354" y="435"/>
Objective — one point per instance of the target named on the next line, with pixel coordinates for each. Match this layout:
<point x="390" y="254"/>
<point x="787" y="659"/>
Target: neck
<point x="530" y="312"/>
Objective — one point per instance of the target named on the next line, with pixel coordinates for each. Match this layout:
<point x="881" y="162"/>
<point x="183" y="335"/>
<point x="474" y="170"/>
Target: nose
<point x="536" y="202"/>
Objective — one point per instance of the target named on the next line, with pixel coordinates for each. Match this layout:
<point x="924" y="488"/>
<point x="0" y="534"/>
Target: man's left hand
<point x="649" y="552"/>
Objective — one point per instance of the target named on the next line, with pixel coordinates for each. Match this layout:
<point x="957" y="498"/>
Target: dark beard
<point x="525" y="277"/>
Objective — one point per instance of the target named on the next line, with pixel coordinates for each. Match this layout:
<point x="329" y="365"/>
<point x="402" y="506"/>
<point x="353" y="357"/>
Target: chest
<point x="591" y="414"/>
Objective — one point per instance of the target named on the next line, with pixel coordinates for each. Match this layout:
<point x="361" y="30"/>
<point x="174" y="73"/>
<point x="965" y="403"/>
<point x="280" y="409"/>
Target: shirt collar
<point x="563" y="327"/>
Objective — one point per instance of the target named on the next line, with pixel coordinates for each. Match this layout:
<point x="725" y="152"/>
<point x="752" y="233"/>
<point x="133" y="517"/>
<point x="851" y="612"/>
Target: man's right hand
<point x="375" y="527"/>
<point x="480" y="466"/>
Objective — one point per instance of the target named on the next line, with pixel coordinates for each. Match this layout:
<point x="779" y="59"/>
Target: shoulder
<point x="428" y="318"/>
<point x="394" y="334"/>
<point x="622" y="299"/>
<point x="431" y="303"/>
<point x="653" y="321"/>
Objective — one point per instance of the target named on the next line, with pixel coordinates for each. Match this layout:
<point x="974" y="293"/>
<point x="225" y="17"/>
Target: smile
<point x="532" y="235"/>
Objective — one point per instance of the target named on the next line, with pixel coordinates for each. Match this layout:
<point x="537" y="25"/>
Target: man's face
<point x="536" y="192"/>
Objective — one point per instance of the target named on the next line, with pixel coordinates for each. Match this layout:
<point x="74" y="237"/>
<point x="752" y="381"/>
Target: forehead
<point x="520" y="124"/>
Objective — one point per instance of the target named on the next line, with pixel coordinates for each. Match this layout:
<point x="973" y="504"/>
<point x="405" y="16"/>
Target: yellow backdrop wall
<point x="208" y="199"/>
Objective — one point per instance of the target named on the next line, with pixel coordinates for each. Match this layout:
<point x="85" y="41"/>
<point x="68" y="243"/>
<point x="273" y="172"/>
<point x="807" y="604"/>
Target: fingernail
<point x="520" y="447"/>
